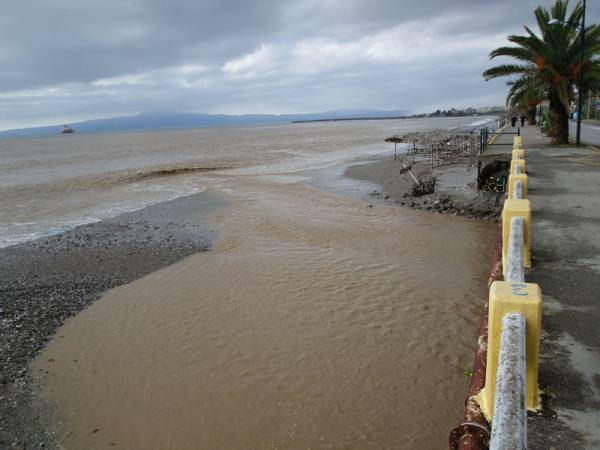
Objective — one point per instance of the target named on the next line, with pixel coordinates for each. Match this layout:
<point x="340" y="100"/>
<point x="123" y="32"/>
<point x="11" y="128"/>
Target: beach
<point x="48" y="280"/>
<point x="312" y="320"/>
<point x="454" y="194"/>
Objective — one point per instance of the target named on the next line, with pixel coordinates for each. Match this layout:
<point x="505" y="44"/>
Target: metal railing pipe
<point x="518" y="193"/>
<point x="515" y="271"/>
<point x="509" y="430"/>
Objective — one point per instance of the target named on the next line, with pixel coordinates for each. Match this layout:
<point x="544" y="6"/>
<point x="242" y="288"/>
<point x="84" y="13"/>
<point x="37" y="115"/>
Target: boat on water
<point x="67" y="130"/>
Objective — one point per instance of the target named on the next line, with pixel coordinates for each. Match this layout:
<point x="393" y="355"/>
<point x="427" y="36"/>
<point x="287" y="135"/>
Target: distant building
<point x="490" y="109"/>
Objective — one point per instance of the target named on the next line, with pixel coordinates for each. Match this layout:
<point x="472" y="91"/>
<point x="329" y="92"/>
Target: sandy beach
<point x="46" y="281"/>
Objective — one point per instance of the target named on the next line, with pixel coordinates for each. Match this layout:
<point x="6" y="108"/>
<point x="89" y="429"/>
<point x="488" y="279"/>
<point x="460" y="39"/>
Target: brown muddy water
<point x="315" y="322"/>
<point x="51" y="184"/>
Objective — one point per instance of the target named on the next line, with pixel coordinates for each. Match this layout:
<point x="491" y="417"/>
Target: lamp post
<point x="580" y="105"/>
<point x="580" y="96"/>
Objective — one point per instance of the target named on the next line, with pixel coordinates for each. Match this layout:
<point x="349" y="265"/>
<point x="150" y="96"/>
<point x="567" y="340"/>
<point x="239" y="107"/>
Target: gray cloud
<point x="68" y="60"/>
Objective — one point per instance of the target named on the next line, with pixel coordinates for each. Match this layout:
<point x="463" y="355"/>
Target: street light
<point x="580" y="97"/>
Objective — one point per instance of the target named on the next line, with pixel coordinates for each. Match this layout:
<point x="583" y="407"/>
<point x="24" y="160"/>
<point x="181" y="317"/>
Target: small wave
<point x="478" y="123"/>
<point x="133" y="176"/>
<point x="167" y="171"/>
<point x="65" y="204"/>
<point x="18" y="232"/>
<point x="473" y="126"/>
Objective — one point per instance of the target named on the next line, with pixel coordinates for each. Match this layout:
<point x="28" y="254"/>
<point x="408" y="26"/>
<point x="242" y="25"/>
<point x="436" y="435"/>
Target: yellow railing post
<point x="513" y="296"/>
<point x="507" y="297"/>
<point x="517" y="162"/>
<point x="512" y="179"/>
<point x="518" y="141"/>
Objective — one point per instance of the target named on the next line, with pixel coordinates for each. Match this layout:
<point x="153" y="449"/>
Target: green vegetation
<point x="525" y="95"/>
<point x="548" y="65"/>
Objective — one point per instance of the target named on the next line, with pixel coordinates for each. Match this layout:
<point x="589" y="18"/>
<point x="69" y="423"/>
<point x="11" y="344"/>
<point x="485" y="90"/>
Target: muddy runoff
<point x="315" y="322"/>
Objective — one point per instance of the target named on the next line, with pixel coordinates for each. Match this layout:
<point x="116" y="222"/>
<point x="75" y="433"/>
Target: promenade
<point x="564" y="190"/>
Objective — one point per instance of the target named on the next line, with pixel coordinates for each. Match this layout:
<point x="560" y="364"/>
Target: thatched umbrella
<point x="396" y="140"/>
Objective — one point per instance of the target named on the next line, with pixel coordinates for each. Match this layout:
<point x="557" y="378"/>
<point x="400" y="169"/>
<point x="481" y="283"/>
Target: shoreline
<point x="76" y="267"/>
<point x="455" y="192"/>
<point x="52" y="278"/>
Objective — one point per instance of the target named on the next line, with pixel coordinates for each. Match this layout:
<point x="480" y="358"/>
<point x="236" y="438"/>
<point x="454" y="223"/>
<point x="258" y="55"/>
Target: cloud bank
<point x="66" y="61"/>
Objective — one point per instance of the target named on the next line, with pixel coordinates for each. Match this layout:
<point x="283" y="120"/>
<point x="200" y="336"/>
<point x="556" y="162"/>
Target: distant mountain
<point x="170" y="119"/>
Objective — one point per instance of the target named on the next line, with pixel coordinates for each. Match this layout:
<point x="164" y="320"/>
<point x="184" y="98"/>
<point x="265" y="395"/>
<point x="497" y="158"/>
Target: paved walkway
<point x="564" y="189"/>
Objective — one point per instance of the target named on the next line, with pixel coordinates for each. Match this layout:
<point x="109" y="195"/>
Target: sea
<point x="50" y="184"/>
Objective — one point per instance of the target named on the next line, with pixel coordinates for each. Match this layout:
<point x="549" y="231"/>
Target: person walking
<point x="522" y="120"/>
<point x="513" y="121"/>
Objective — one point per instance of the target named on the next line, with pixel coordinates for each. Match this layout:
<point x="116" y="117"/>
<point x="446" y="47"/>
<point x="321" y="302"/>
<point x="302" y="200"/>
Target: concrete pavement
<point x="564" y="189"/>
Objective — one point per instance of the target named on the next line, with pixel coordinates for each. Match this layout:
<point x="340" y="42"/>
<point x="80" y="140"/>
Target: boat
<point x="67" y="130"/>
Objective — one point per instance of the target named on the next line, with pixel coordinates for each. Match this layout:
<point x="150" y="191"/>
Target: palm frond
<point x="505" y="70"/>
<point x="547" y="61"/>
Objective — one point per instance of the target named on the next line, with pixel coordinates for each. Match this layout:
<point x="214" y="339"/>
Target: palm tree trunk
<point x="531" y="113"/>
<point x="560" y="117"/>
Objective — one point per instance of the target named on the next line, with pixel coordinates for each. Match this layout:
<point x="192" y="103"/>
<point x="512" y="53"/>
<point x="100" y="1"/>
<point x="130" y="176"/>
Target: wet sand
<point x="44" y="282"/>
<point x="383" y="172"/>
<point x="455" y="190"/>
<point x="316" y="321"/>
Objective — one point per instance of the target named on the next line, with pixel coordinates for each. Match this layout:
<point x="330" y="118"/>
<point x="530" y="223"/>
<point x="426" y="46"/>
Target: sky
<point x="64" y="61"/>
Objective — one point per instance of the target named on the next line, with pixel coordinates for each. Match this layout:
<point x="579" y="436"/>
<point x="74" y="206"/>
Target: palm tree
<point x="525" y="94"/>
<point x="551" y="61"/>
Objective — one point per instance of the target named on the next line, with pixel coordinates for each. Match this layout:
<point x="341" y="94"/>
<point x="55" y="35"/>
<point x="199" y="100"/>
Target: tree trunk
<point x="531" y="113"/>
<point x="560" y="119"/>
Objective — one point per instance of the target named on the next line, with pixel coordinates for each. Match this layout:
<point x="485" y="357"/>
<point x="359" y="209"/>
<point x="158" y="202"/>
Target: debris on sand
<point x="424" y="187"/>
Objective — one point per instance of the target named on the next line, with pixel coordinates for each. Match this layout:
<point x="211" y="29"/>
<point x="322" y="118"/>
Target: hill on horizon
<point x="171" y="119"/>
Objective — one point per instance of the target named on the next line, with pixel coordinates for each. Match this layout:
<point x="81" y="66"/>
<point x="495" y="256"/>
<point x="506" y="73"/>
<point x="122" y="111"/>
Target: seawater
<point x="314" y="322"/>
<point x="55" y="183"/>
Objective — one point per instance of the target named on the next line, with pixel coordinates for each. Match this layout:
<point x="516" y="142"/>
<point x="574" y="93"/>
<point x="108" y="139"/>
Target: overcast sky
<point x="63" y="61"/>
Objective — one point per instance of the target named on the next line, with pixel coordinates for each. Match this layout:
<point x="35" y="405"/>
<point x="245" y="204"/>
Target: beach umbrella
<point x="396" y="140"/>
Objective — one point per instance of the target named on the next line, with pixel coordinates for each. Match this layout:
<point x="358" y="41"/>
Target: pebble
<point x="41" y="288"/>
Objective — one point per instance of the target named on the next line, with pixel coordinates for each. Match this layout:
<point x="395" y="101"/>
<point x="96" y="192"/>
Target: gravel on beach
<point x="46" y="281"/>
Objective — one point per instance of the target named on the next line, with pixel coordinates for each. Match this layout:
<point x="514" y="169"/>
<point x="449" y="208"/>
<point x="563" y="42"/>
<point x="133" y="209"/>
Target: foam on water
<point x="146" y="194"/>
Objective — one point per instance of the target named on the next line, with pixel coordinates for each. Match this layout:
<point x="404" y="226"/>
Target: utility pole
<point x="589" y="104"/>
<point x="580" y="105"/>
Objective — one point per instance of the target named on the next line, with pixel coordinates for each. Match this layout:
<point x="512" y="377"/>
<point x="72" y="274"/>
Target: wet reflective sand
<point x="315" y="322"/>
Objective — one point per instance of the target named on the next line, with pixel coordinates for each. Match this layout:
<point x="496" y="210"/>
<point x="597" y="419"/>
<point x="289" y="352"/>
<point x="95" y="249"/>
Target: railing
<point x="490" y="134"/>
<point x="497" y="126"/>
<point x="507" y="377"/>
<point x="514" y="312"/>
<point x="509" y="428"/>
